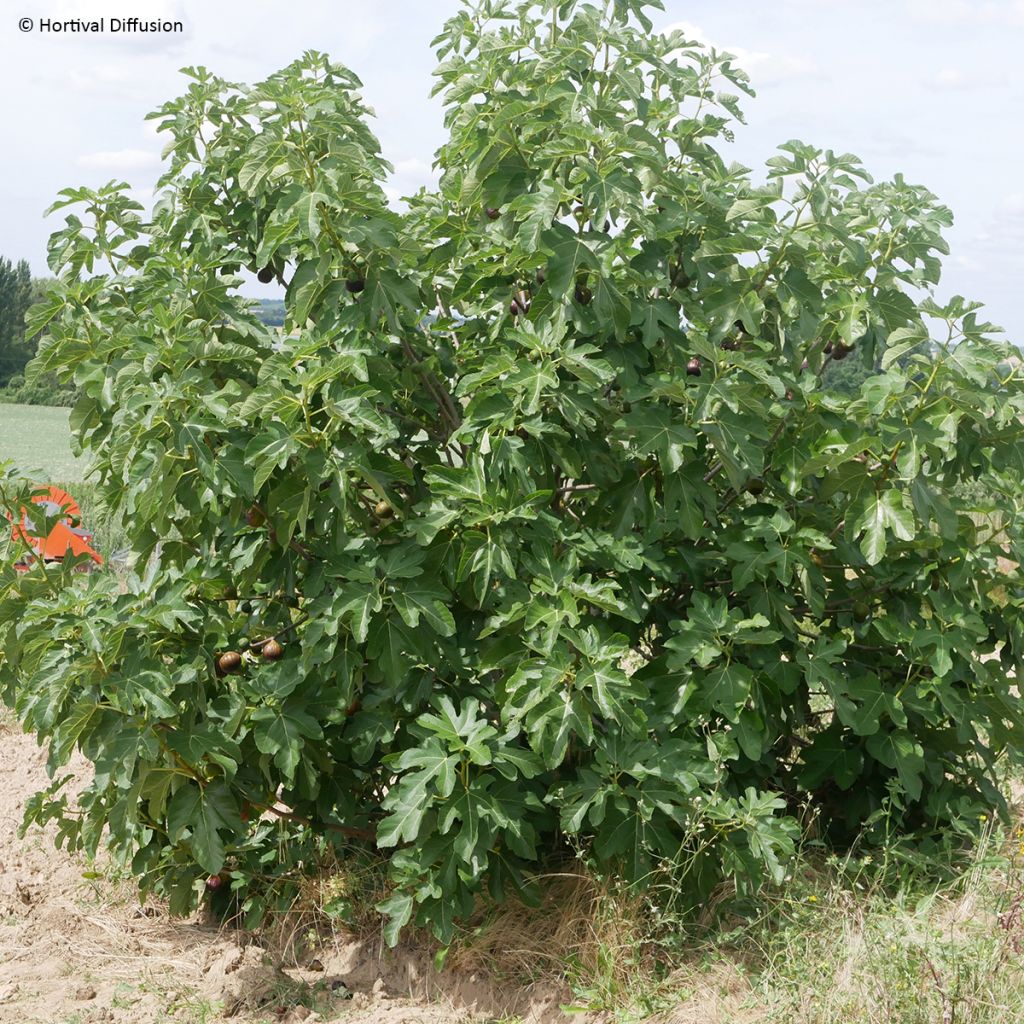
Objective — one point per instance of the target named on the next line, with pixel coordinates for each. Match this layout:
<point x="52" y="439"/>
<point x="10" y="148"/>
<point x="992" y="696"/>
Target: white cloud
<point x="100" y="77"/>
<point x="959" y="80"/>
<point x="772" y="69"/>
<point x="1000" y="235"/>
<point x="693" y="33"/>
<point x="120" y="159"/>
<point x="991" y="12"/>
<point x="414" y="168"/>
<point x="764" y="68"/>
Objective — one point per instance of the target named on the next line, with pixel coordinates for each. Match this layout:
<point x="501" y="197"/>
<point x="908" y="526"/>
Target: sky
<point x="927" y="88"/>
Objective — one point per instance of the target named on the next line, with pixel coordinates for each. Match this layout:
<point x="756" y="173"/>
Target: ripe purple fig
<point x="228" y="662"/>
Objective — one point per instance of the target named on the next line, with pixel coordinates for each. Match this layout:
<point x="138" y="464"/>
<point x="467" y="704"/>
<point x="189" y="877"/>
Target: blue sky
<point x="929" y="88"/>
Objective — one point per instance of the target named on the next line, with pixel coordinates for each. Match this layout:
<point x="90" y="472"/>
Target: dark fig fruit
<point x="272" y="650"/>
<point x="754" y="486"/>
<point x="229" y="661"/>
<point x="255" y="517"/>
<point x="693" y="367"/>
<point x="266" y="275"/>
<point x="584" y="296"/>
<point x="355" y="285"/>
<point x="493" y="213"/>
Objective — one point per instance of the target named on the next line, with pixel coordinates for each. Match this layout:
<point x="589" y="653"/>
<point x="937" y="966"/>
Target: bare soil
<point x="77" y="948"/>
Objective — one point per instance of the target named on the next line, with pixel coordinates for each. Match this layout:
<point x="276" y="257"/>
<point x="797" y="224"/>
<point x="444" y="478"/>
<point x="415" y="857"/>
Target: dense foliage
<point x="559" y="538"/>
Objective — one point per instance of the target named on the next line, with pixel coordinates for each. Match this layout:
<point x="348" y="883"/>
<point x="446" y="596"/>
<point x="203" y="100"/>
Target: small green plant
<point x="534" y="527"/>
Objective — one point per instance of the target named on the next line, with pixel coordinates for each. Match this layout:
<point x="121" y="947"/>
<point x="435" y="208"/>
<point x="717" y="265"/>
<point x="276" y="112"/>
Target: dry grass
<point x="580" y="922"/>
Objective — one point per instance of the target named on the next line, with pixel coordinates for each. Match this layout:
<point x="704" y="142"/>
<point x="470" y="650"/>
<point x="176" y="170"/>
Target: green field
<point x="37" y="440"/>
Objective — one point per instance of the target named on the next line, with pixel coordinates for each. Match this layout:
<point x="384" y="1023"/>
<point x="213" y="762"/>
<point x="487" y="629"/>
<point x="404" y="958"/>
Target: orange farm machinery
<point x="51" y="530"/>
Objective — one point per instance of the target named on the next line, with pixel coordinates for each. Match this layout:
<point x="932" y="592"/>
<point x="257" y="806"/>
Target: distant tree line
<point x="271" y="312"/>
<point x="18" y="291"/>
<point x="15" y="298"/>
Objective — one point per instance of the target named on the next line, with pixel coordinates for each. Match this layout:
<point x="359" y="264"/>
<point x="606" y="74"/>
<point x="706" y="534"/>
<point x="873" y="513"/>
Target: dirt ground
<point x="78" y="949"/>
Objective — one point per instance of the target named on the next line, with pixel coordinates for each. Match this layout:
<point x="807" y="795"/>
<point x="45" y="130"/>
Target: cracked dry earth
<point x="76" y="948"/>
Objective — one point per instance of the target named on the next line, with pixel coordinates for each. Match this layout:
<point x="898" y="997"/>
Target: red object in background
<point x="66" y="536"/>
